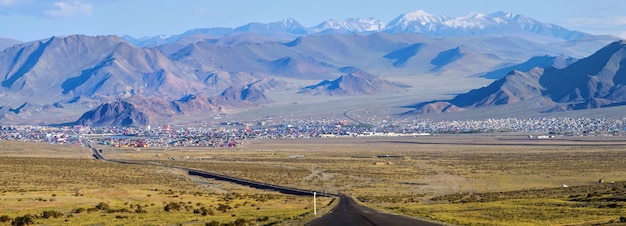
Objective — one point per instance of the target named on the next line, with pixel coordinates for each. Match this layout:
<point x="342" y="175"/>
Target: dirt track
<point x="348" y="212"/>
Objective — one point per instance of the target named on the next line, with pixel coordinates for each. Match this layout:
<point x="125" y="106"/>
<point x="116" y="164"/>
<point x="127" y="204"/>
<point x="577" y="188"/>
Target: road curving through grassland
<point x="346" y="213"/>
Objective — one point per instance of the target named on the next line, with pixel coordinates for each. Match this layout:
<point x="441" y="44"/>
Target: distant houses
<point x="375" y="134"/>
<point x="541" y="137"/>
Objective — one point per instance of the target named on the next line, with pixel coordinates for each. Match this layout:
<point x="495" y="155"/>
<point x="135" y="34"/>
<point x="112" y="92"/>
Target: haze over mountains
<point x="593" y="82"/>
<point x="417" y="22"/>
<point x="109" y="80"/>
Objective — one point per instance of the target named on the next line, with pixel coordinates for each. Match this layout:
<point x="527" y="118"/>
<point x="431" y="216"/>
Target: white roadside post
<point x="314" y="204"/>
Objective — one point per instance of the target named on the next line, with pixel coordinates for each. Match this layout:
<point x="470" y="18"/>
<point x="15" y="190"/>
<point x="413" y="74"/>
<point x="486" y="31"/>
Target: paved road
<point x="345" y="114"/>
<point x="347" y="212"/>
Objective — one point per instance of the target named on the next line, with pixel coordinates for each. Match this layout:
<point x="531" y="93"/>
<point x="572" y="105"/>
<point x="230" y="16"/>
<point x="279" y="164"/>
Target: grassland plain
<point x="452" y="179"/>
<point x="59" y="185"/>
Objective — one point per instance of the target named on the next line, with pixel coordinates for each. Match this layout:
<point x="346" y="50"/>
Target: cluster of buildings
<point x="232" y="134"/>
<point x="580" y="125"/>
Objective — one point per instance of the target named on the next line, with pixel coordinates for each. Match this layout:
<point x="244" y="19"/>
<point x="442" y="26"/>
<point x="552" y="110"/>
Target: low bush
<point x="5" y="218"/>
<point x="223" y="207"/>
<point x="103" y="206"/>
<point x="23" y="220"/>
<point x="173" y="206"/>
<point x="51" y="214"/>
<point x="79" y="210"/>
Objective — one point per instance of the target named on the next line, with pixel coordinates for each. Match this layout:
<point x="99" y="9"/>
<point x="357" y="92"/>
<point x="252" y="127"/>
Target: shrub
<point x="5" y="218"/>
<point x="207" y="211"/>
<point x="92" y="209"/>
<point x="241" y="222"/>
<point x="265" y="218"/>
<point x="213" y="223"/>
<point x="103" y="206"/>
<point x="224" y="207"/>
<point x="51" y="213"/>
<point x="140" y="210"/>
<point x="23" y="220"/>
<point x="173" y="206"/>
<point x="204" y="211"/>
<point x="121" y="210"/>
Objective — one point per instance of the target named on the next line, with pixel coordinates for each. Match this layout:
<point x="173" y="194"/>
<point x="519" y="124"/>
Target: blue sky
<point x="27" y="20"/>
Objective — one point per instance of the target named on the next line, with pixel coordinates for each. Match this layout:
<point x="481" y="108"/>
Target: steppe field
<point x="483" y="179"/>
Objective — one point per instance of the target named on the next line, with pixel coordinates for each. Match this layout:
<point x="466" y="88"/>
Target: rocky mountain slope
<point x="538" y="61"/>
<point x="62" y="69"/>
<point x="7" y="42"/>
<point x="114" y="114"/>
<point x="207" y="72"/>
<point x="354" y="83"/>
<point x="593" y="82"/>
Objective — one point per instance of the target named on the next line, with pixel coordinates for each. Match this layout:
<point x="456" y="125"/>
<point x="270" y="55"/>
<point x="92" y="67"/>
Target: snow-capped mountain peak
<point x="350" y="25"/>
<point x="498" y="23"/>
<point x="475" y="15"/>
<point x="289" y="22"/>
<point x="471" y="21"/>
<point x="419" y="16"/>
<point x="415" y="22"/>
<point x="502" y="14"/>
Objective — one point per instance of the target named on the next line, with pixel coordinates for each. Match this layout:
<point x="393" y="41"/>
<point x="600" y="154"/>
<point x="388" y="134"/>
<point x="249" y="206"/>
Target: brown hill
<point x="102" y="67"/>
<point x="593" y="82"/>
<point x="601" y="75"/>
<point x="70" y="75"/>
<point x="119" y="113"/>
<point x="354" y="83"/>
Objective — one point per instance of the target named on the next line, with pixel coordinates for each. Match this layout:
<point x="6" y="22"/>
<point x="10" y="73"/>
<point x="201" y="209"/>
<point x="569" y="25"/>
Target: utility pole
<point x="314" y="204"/>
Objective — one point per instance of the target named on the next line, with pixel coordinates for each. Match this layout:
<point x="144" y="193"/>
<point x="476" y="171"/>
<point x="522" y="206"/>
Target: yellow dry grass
<point x="37" y="180"/>
<point x="402" y="175"/>
<point x="418" y="176"/>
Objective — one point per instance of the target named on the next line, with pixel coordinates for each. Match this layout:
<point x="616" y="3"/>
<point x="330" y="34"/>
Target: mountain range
<point x="417" y="22"/>
<point x="596" y="81"/>
<point x="111" y="80"/>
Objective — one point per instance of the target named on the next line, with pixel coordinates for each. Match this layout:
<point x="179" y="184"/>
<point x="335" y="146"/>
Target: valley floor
<point x="487" y="179"/>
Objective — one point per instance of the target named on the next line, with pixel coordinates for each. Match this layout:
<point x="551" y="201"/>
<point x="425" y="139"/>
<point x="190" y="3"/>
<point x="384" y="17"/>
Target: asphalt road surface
<point x="347" y="212"/>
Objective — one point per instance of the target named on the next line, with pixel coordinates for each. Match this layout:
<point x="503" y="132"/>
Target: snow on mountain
<point x="498" y="23"/>
<point x="420" y="16"/>
<point x="415" y="22"/>
<point x="471" y="21"/>
<point x="288" y="25"/>
<point x="350" y="25"/>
